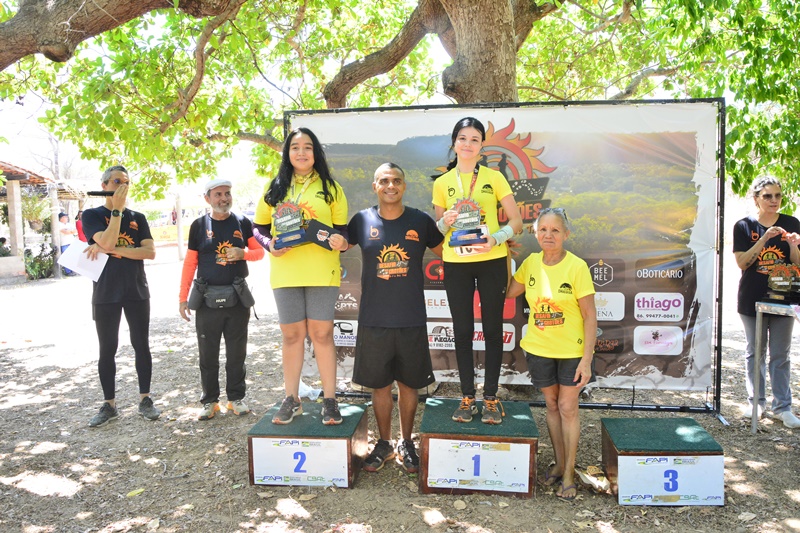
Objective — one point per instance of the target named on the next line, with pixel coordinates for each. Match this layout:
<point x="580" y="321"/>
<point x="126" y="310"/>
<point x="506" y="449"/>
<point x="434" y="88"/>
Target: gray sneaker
<point x="466" y="410"/>
<point x="147" y="409"/>
<point x="105" y="415"/>
<point x="491" y="413"/>
<point x="330" y="412"/>
<point x="288" y="410"/>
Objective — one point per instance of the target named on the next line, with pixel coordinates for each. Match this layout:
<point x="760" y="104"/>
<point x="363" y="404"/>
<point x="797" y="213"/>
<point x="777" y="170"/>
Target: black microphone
<point x="100" y="193"/>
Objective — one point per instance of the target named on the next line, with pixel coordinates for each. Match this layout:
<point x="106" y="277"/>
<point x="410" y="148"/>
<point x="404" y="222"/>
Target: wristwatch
<point x="116" y="213"/>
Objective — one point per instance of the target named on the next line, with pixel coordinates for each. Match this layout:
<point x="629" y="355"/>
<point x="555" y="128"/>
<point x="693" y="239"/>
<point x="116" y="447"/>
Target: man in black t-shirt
<point x="392" y="340"/>
<point x="124" y="236"/>
<point x="220" y="244"/>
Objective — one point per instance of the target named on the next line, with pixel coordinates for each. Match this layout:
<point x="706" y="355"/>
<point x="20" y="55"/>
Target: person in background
<point x="560" y="339"/>
<point x="305" y="279"/>
<point x="220" y="244"/>
<point x="761" y="242"/>
<point x="466" y="197"/>
<point x="68" y="233"/>
<point x="392" y="339"/>
<point x="125" y="237"/>
<point x="79" y="226"/>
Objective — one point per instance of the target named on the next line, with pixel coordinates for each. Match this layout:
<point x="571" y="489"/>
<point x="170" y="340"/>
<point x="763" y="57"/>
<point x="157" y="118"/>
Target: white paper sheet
<point x="74" y="259"/>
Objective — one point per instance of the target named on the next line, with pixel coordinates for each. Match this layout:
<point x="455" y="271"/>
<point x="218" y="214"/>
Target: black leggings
<point x="460" y="280"/>
<point x="107" y="319"/>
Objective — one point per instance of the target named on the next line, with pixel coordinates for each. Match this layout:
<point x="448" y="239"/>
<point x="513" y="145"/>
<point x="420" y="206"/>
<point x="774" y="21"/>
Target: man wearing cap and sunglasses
<point x="220" y="244"/>
<point x="124" y="236"/>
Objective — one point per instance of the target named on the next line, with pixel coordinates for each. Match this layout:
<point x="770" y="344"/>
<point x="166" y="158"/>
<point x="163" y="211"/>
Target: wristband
<point x="502" y="235"/>
<point x="443" y="227"/>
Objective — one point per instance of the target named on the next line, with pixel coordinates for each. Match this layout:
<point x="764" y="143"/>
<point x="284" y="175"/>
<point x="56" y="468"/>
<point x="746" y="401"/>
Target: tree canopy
<point x="170" y="86"/>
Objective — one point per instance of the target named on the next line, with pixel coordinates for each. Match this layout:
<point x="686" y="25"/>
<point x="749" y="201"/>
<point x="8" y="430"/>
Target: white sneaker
<point x="238" y="407"/>
<point x="788" y="419"/>
<point x="748" y="411"/>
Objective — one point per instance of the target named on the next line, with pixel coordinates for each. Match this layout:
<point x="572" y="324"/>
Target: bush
<point x="40" y="266"/>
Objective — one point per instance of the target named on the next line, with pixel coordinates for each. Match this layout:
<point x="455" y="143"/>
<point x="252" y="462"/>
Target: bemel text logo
<point x="604" y="271"/>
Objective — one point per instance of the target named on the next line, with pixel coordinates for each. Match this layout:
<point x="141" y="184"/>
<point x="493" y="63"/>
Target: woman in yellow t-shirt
<point x="465" y="199"/>
<point x="559" y="342"/>
<point x="305" y="279"/>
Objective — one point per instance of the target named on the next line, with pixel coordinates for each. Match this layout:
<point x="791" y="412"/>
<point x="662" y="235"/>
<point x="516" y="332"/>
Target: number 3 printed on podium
<point x="672" y="480"/>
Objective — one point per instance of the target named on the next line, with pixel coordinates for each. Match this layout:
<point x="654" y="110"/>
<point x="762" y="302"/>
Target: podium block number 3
<point x="672" y="480"/>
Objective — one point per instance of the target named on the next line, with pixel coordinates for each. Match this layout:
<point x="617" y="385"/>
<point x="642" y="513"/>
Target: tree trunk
<point x="485" y="66"/>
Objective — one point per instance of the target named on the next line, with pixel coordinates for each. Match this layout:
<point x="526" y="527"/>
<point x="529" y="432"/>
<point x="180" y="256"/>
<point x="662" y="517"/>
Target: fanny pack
<point x="220" y="296"/>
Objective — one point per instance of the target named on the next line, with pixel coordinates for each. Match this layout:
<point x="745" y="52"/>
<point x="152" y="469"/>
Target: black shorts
<point x="385" y="355"/>
<point x="547" y="371"/>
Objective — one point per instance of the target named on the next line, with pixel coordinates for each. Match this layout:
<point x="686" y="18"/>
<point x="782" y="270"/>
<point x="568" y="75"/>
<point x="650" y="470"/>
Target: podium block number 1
<point x="478" y="465"/>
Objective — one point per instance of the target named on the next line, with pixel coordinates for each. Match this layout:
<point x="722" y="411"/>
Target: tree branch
<point x="266" y="139"/>
<point x="186" y="96"/>
<point x="55" y="28"/>
<point x="629" y="91"/>
<point x="380" y="62"/>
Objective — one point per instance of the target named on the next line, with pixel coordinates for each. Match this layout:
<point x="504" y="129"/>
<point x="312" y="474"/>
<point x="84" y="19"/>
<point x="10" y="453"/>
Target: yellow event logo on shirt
<point x="768" y="257"/>
<point x="222" y="253"/>
<point x="546" y="313"/>
<point x="125" y="240"/>
<point x="392" y="262"/>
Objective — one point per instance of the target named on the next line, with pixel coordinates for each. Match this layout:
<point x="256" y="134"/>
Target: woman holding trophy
<point x="302" y="203"/>
<point x="475" y="254"/>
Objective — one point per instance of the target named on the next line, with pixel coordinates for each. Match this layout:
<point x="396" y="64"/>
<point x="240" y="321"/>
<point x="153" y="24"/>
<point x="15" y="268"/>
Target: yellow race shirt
<point x="307" y="265"/>
<point x="555" y="325"/>
<point x="490" y="187"/>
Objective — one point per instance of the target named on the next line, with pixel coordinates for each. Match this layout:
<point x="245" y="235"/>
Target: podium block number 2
<point x="300" y="457"/>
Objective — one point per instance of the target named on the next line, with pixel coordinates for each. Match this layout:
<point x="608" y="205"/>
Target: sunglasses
<point x="768" y="197"/>
<point x="557" y="210"/>
<point x="118" y="181"/>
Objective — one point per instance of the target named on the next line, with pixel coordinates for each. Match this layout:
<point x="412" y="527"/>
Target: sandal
<point x="550" y="479"/>
<point x="560" y="493"/>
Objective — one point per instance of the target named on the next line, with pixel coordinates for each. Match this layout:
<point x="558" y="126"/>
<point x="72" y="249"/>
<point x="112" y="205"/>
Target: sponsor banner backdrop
<point x="640" y="185"/>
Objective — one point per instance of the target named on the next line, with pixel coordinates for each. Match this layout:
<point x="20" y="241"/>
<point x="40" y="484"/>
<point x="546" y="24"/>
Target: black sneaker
<point x="147" y="409"/>
<point x="288" y="410"/>
<point x="408" y="456"/>
<point x="330" y="412"/>
<point x="105" y="415"/>
<point x="381" y="453"/>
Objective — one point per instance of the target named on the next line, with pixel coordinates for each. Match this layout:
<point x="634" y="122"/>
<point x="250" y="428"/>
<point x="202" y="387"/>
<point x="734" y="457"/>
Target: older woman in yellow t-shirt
<point x="466" y="198"/>
<point x="560" y="338"/>
<point x="305" y="279"/>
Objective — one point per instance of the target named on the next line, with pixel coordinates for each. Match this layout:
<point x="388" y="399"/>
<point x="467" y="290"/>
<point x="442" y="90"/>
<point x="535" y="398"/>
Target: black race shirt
<point x="392" y="294"/>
